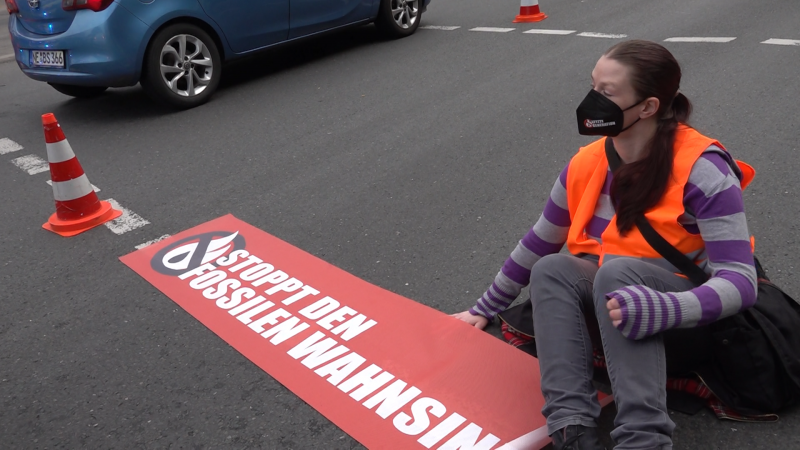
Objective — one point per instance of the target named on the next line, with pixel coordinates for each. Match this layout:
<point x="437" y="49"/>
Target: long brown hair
<point x="639" y="186"/>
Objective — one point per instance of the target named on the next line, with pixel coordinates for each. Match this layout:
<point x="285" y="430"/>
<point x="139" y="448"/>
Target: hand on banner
<point x="478" y="322"/>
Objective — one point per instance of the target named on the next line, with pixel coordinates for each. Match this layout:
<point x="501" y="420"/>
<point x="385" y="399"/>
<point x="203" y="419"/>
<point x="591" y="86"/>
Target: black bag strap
<point x="659" y="244"/>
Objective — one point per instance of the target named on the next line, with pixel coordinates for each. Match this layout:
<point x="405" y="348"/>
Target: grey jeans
<point x="566" y="291"/>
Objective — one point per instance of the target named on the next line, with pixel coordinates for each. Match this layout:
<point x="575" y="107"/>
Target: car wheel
<point x="79" y="91"/>
<point x="182" y="66"/>
<point x="398" y="18"/>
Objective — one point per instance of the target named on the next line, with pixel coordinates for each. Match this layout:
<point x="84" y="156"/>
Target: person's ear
<point x="651" y="106"/>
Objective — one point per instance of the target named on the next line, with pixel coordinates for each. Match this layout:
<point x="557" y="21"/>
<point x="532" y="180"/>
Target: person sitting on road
<point x="613" y="290"/>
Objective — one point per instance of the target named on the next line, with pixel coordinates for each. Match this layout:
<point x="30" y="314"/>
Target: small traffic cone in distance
<point x="529" y="12"/>
<point x="77" y="207"/>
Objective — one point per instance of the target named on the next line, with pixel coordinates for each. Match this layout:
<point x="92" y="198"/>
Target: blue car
<point x="175" y="48"/>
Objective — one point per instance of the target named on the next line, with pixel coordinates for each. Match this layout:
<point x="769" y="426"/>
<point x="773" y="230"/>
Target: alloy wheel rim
<point x="186" y="65"/>
<point x="405" y="12"/>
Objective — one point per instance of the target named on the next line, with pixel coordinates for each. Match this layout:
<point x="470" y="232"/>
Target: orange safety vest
<point x="586" y="177"/>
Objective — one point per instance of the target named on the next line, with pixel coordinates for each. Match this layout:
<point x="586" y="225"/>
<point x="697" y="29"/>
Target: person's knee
<point x="549" y="267"/>
<point x="554" y="277"/>
<point x="615" y="274"/>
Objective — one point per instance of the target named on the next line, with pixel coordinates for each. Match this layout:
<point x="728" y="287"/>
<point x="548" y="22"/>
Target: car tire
<point x="182" y="66"/>
<point x="79" y="91"/>
<point x="398" y="18"/>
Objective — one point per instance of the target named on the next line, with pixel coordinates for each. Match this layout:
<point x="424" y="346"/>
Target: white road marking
<point x="96" y="189"/>
<point x="8" y="57"/>
<point x="492" y="29"/>
<point x="8" y="146"/>
<point x="700" y="39"/>
<point x="539" y="31"/>
<point x="148" y="243"/>
<point x="128" y="221"/>
<point x="602" y="35"/>
<point x="31" y="164"/>
<point x="440" y="27"/>
<point x="781" y="41"/>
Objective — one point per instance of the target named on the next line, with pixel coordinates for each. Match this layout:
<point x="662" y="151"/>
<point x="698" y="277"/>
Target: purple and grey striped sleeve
<point x="546" y="237"/>
<point x="713" y="197"/>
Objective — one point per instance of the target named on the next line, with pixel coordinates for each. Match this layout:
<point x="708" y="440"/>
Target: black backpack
<point x="756" y="366"/>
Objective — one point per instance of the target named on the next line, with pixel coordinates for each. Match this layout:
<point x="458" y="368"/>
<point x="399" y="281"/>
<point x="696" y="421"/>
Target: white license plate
<point x="47" y="58"/>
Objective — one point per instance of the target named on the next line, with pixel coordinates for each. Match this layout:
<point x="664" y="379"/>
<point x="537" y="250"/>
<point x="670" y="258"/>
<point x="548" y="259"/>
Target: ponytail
<point x="637" y="187"/>
<point x="681" y="108"/>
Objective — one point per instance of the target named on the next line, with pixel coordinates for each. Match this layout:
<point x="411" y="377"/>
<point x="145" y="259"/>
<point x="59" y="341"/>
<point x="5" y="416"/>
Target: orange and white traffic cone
<point x="529" y="12"/>
<point x="77" y="207"/>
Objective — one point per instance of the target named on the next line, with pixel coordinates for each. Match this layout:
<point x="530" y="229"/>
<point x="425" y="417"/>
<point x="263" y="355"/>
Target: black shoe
<point x="576" y="437"/>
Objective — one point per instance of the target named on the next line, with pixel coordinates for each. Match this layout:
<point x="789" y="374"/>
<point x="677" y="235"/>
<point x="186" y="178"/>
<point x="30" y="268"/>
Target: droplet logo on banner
<point x="192" y="252"/>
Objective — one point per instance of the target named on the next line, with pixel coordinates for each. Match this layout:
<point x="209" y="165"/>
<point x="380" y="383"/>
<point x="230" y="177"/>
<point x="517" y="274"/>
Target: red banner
<point x="389" y="371"/>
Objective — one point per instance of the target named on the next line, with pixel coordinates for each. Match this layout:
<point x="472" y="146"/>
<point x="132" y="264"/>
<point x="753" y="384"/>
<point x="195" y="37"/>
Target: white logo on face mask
<point x="216" y="248"/>
<point x="597" y="123"/>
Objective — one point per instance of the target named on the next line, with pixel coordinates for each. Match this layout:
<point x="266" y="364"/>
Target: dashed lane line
<point x="96" y="189"/>
<point x="5" y="58"/>
<point x="492" y="29"/>
<point x="721" y="40"/>
<point x="541" y="31"/>
<point x="711" y="39"/>
<point x="128" y="221"/>
<point x="775" y="41"/>
<point x="148" y="243"/>
<point x="440" y="27"/>
<point x="602" y="35"/>
<point x="31" y="164"/>
<point x="8" y="146"/>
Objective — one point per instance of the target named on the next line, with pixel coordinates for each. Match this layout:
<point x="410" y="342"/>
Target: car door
<point x="312" y="16"/>
<point x="250" y="24"/>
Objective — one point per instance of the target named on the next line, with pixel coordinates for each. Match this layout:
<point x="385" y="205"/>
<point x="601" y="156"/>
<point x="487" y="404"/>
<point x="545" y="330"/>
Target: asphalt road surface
<point x="6" y="51"/>
<point x="432" y="154"/>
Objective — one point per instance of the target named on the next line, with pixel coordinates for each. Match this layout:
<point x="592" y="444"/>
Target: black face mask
<point x="599" y="116"/>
